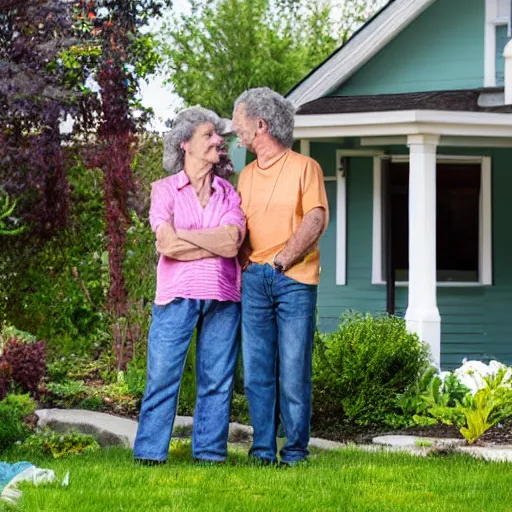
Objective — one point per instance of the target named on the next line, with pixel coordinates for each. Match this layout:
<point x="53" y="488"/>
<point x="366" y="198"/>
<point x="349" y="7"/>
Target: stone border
<point x="114" y="430"/>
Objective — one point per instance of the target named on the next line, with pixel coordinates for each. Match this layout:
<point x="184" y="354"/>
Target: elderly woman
<point x="199" y="227"/>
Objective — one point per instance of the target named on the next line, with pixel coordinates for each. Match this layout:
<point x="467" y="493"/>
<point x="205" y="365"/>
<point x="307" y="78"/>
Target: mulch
<point x="500" y="434"/>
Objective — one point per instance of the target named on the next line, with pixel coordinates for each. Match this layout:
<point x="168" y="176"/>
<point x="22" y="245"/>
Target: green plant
<point x="481" y="413"/>
<point x="9" y="331"/>
<point x="61" y="445"/>
<point x="136" y="377"/>
<point x="66" y="394"/>
<point x="429" y="401"/>
<point x="22" y="405"/>
<point x="411" y="402"/>
<point x="6" y="211"/>
<point x="13" y="409"/>
<point x="187" y="397"/>
<point x="365" y="364"/>
<point x="488" y="406"/>
<point x="240" y="408"/>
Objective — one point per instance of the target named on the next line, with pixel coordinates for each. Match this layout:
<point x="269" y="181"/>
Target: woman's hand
<point x="166" y="238"/>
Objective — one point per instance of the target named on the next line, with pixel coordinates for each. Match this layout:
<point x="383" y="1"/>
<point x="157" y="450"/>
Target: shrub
<point x="5" y="378"/>
<point x="27" y="362"/>
<point x="13" y="410"/>
<point x="22" y="405"/>
<point x="359" y="369"/>
<point x="60" y="445"/>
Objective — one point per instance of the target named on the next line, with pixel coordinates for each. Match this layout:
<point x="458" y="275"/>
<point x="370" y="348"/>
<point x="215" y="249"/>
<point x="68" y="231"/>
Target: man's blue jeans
<point x="278" y="324"/>
<point x="170" y="333"/>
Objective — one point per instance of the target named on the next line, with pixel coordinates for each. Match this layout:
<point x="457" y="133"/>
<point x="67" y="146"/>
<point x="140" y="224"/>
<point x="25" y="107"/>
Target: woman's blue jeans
<point x="170" y="334"/>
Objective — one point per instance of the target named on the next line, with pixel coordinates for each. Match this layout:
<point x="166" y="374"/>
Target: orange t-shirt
<point x="275" y="200"/>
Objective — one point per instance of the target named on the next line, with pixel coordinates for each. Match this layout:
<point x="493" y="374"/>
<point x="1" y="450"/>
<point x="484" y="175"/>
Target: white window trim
<point x="485" y="222"/>
<point x="491" y="22"/>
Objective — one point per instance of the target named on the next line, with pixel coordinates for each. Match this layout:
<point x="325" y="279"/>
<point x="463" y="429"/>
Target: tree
<point x="33" y="97"/>
<point x="48" y="51"/>
<point x="119" y="55"/>
<point x="224" y="47"/>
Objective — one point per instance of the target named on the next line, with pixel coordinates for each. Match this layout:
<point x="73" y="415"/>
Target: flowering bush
<point x="472" y="374"/>
<point x="473" y="397"/>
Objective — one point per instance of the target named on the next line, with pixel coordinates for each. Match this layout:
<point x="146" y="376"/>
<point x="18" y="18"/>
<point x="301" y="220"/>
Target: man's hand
<point x="303" y="240"/>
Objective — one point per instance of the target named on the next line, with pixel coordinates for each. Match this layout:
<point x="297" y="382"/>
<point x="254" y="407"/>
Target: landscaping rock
<point x="325" y="444"/>
<point x="491" y="453"/>
<point x="239" y="433"/>
<point x="417" y="442"/>
<point x="107" y="429"/>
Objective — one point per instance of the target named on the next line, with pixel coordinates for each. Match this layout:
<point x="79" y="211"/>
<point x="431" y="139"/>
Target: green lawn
<point x="332" y="481"/>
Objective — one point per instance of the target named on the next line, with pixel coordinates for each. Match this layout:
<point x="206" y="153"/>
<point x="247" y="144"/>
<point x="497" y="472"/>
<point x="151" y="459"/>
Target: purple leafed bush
<point x="26" y="364"/>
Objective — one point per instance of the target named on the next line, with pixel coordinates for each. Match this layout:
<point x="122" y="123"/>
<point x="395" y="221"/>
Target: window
<point x="496" y="38"/>
<point x="501" y="42"/>
<point x="463" y="222"/>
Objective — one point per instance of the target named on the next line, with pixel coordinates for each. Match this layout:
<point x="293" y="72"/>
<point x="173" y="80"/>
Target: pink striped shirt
<point x="209" y="278"/>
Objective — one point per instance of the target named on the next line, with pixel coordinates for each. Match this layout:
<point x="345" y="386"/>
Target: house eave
<point x="408" y="122"/>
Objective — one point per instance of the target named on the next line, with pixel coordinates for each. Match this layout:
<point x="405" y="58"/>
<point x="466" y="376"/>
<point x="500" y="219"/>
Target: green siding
<point x="442" y="49"/>
<point x="476" y="321"/>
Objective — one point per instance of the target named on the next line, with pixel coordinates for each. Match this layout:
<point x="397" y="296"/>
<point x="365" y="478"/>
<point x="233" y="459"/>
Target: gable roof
<point x="364" y="44"/>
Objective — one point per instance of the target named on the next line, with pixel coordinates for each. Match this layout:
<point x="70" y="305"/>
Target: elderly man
<point x="285" y="204"/>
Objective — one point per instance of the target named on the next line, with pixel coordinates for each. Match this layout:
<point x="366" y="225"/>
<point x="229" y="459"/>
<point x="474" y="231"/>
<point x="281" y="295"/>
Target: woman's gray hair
<point x="274" y="109"/>
<point x="182" y="129"/>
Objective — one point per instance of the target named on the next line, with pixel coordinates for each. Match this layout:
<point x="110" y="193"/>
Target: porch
<point x="460" y="312"/>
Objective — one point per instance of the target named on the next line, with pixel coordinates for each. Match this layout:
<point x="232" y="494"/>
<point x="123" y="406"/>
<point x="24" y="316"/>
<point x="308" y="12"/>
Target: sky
<point x="154" y="93"/>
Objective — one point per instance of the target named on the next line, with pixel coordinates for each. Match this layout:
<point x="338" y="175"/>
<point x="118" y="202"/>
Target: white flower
<point x="473" y="373"/>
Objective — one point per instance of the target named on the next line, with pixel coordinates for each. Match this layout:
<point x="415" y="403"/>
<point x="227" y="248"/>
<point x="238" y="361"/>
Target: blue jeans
<point x="170" y="334"/>
<point x="278" y="325"/>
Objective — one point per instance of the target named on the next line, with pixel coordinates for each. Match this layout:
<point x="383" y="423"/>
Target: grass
<point x="333" y="481"/>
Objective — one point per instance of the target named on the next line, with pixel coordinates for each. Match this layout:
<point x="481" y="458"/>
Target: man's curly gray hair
<point x="274" y="109"/>
<point x="183" y="127"/>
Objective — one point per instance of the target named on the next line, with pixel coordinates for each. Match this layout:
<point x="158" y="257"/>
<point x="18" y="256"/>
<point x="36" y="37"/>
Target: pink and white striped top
<point x="210" y="278"/>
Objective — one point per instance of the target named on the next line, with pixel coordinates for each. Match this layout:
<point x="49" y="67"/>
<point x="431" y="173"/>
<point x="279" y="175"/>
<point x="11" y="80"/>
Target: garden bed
<point x="499" y="434"/>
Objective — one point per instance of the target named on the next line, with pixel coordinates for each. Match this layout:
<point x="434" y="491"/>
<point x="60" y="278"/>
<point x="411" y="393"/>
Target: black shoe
<point x="149" y="462"/>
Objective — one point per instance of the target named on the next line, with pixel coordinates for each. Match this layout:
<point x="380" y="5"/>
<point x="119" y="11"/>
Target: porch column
<point x="422" y="316"/>
<point x="305" y="147"/>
